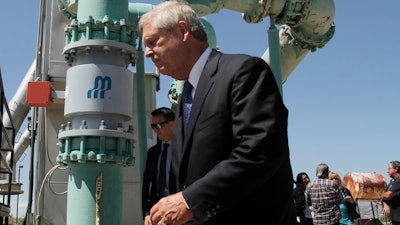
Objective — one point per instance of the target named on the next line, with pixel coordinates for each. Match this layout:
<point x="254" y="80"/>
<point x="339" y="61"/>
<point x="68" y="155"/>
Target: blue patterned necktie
<point x="162" y="173"/>
<point x="187" y="102"/>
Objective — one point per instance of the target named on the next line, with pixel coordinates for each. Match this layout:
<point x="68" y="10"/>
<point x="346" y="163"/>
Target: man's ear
<point x="183" y="29"/>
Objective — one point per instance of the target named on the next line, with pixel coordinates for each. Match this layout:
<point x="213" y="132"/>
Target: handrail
<point x="5" y="106"/>
<point x="6" y="166"/>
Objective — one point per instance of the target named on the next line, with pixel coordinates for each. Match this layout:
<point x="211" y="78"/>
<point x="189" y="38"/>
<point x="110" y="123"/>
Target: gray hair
<point x="166" y="15"/>
<point x="322" y="171"/>
<point x="395" y="164"/>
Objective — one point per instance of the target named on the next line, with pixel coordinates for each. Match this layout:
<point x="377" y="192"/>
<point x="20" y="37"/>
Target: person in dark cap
<point x="324" y="196"/>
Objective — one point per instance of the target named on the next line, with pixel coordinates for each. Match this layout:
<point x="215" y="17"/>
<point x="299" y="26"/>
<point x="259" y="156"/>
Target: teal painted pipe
<point x="211" y="36"/>
<point x="274" y="46"/>
<point x="115" y="9"/>
<point x="82" y="187"/>
<point x="135" y="11"/>
<point x="141" y="102"/>
<point x="97" y="155"/>
<point x="205" y="7"/>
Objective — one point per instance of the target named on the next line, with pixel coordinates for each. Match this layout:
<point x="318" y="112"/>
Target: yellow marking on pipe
<point x="99" y="187"/>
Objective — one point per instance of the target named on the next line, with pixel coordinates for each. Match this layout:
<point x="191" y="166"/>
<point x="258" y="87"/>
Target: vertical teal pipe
<point x="82" y="191"/>
<point x="115" y="9"/>
<point x="275" y="55"/>
<point x="141" y="103"/>
<point x="83" y="208"/>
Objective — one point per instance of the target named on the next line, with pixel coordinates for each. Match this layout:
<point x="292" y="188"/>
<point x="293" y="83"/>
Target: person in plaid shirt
<point x="324" y="196"/>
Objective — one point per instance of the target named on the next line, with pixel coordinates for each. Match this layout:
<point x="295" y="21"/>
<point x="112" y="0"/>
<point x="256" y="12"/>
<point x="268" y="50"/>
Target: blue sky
<point x="343" y="99"/>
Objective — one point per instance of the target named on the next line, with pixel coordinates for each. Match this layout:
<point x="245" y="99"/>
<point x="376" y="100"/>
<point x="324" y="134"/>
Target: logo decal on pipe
<point x="101" y="85"/>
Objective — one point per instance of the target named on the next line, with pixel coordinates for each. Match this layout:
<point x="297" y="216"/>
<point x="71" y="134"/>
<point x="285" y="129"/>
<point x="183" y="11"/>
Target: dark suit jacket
<point x="149" y="188"/>
<point x="233" y="164"/>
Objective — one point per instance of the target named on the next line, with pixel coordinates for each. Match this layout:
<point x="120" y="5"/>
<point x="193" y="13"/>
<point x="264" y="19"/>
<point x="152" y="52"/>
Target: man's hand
<point x="386" y="209"/>
<point x="349" y="199"/>
<point x="170" y="210"/>
<point x="147" y="220"/>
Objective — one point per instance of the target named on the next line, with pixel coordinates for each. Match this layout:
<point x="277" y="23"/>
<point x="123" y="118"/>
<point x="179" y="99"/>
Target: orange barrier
<point x="365" y="186"/>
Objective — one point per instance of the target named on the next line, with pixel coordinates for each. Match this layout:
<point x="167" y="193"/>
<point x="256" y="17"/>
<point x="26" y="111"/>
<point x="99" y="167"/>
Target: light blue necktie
<point x="187" y="103"/>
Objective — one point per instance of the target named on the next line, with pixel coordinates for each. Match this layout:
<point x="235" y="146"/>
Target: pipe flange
<point x="258" y="14"/>
<point x="73" y="49"/>
<point x="308" y="41"/>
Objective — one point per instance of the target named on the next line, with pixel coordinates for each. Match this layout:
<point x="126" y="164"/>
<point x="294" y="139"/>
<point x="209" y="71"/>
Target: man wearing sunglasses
<point x="158" y="179"/>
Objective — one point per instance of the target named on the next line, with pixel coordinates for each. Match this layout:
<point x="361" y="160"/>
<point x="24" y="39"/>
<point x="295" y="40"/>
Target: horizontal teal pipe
<point x="136" y="10"/>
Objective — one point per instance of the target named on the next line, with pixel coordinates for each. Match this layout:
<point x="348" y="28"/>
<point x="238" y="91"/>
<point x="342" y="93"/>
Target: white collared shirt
<point x="197" y="69"/>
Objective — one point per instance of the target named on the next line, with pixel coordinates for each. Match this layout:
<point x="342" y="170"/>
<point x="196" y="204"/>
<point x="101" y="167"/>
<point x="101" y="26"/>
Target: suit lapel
<point x="202" y="90"/>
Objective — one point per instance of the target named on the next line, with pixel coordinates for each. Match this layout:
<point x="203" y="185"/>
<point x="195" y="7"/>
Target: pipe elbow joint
<point x="309" y="23"/>
<point x="310" y="41"/>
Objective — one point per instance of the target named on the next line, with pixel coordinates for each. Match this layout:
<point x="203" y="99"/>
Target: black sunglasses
<point x="159" y="125"/>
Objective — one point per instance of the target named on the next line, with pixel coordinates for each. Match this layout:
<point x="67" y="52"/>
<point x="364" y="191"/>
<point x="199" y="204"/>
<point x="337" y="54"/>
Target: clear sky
<point x="343" y="99"/>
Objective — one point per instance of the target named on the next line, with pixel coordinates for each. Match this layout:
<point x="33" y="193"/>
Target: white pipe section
<point x="19" y="108"/>
<point x="291" y="55"/>
<point x="20" y="146"/>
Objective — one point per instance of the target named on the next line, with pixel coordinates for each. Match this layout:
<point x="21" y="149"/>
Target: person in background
<point x="154" y="187"/>
<point x="231" y="157"/>
<point x="303" y="211"/>
<point x="391" y="198"/>
<point x="347" y="199"/>
<point x="324" y="196"/>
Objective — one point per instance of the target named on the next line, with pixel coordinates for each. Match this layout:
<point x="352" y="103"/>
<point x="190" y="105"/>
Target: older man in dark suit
<point x="231" y="160"/>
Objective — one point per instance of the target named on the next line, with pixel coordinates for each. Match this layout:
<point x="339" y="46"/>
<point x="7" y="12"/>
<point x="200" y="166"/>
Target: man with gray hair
<point x="324" y="196"/>
<point x="391" y="198"/>
<point x="230" y="152"/>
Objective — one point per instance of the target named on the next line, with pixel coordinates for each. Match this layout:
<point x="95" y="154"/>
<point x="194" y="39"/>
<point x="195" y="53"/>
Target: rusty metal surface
<point x="365" y="186"/>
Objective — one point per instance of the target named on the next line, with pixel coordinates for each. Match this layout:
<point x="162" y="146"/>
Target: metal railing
<point x="7" y="137"/>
